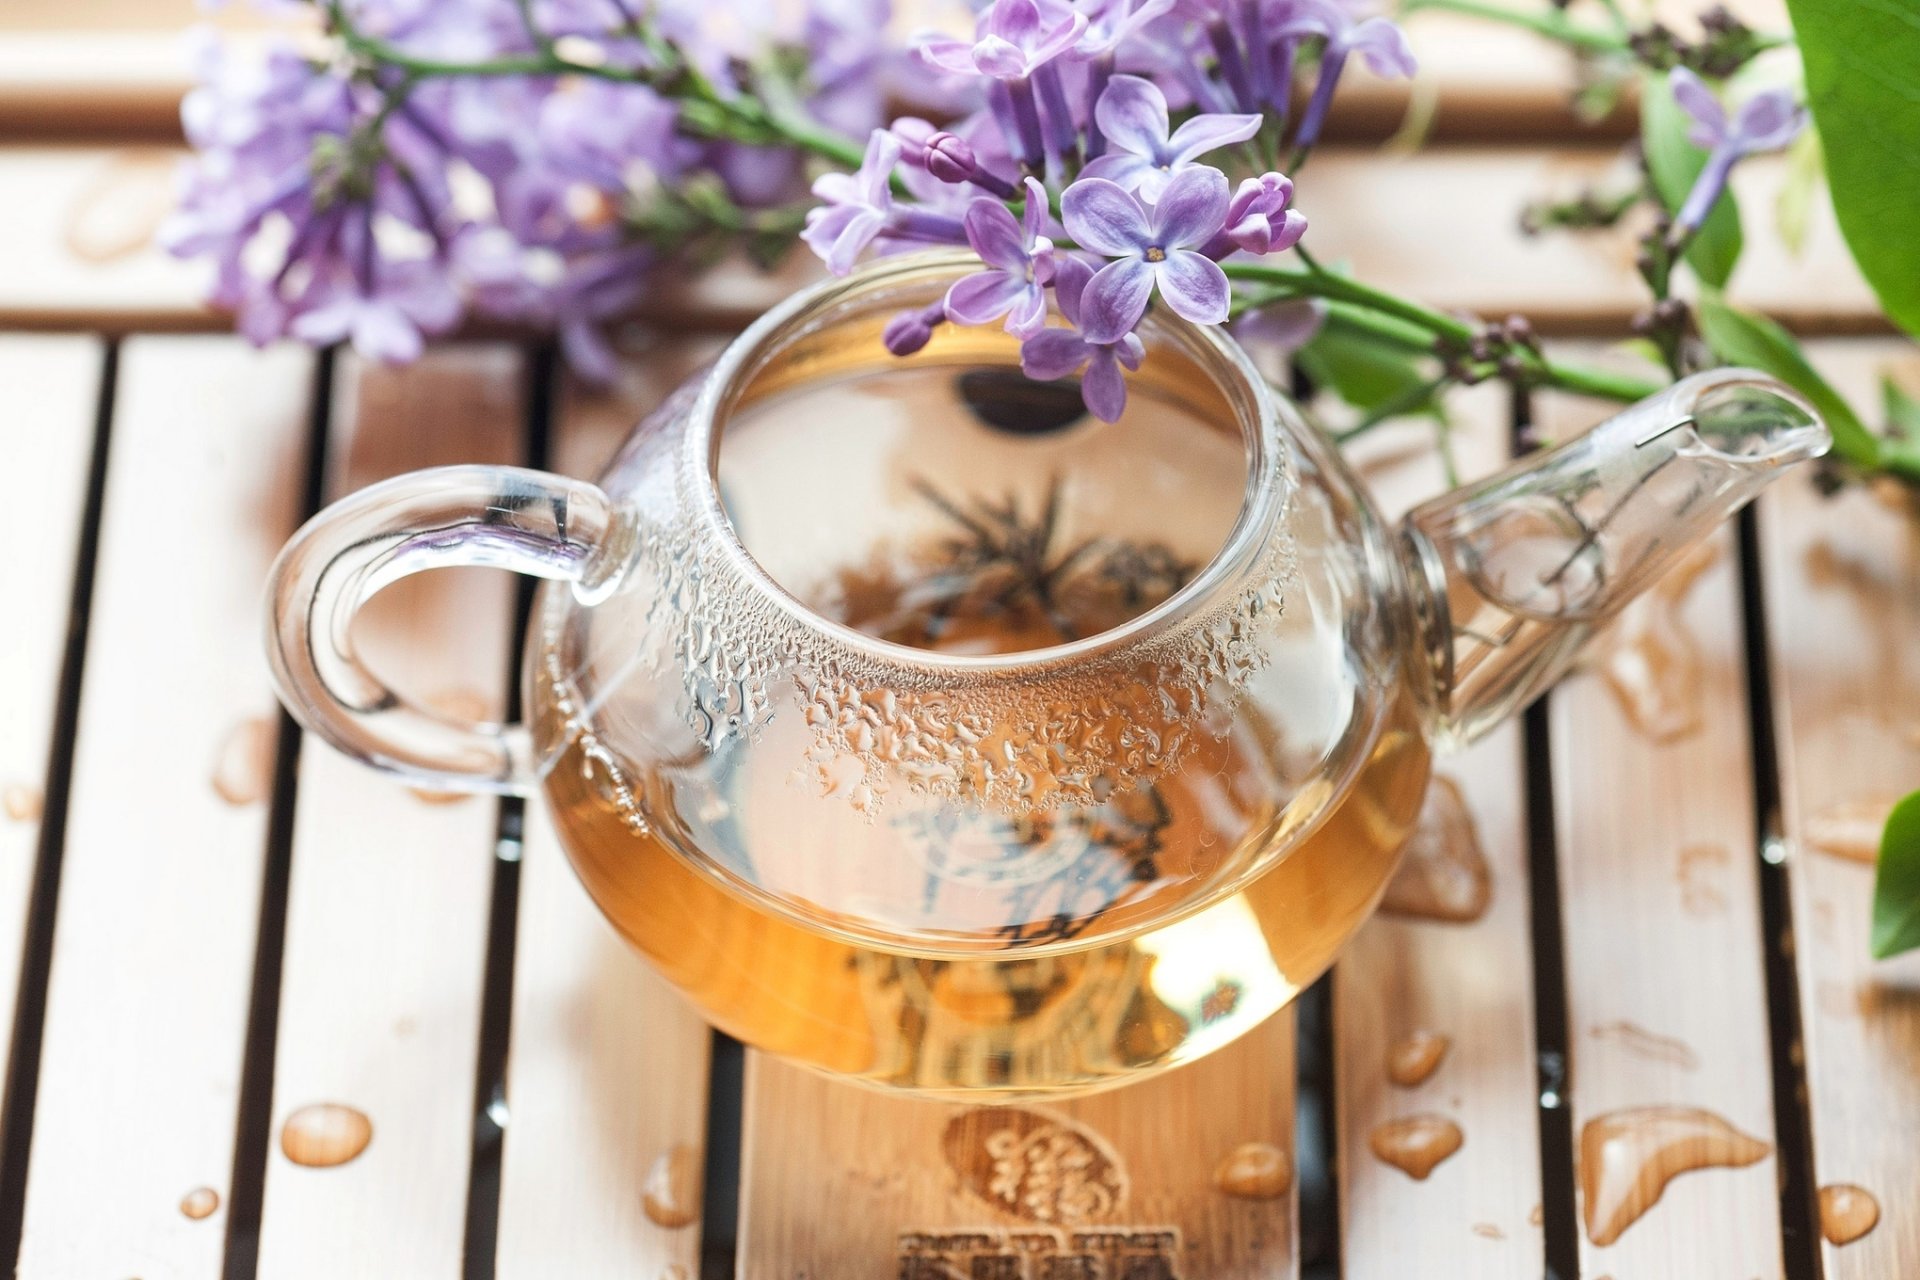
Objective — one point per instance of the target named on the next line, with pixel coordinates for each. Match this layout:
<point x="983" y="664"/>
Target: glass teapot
<point x="925" y="730"/>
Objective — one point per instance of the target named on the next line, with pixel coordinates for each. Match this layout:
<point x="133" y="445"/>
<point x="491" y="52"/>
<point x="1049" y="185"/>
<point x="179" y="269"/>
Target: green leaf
<point x="1740" y="337"/>
<point x="1860" y="60"/>
<point x="1901" y="445"/>
<point x="1674" y="163"/>
<point x="1364" y="373"/>
<point x="1793" y="208"/>
<point x="1896" y="882"/>
<point x="1903" y="411"/>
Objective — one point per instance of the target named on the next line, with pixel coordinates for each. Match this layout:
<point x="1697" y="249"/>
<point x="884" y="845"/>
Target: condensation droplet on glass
<point x="671" y="1193"/>
<point x="1847" y="1212"/>
<point x="325" y="1134"/>
<point x="1416" y="1145"/>
<point x="1412" y="1060"/>
<point x="1628" y="1157"/>
<point x="22" y="802"/>
<point x="1254" y="1171"/>
<point x="200" y="1203"/>
<point x="243" y="765"/>
<point x="1443" y="872"/>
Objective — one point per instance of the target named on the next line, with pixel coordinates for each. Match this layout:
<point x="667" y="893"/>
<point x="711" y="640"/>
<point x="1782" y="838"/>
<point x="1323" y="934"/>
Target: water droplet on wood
<point x="1255" y="1171"/>
<point x="1411" y="1061"/>
<point x="1847" y="1212"/>
<point x="671" y="1193"/>
<point x="200" y="1202"/>
<point x="1536" y="1216"/>
<point x="1628" y="1157"/>
<point x="243" y="768"/>
<point x="325" y="1134"/>
<point x="1636" y="1039"/>
<point x="1416" y="1145"/>
<point x="1443" y="874"/>
<point x="23" y="802"/>
<point x="1850" y="829"/>
<point x="1651" y="662"/>
<point x="1702" y="876"/>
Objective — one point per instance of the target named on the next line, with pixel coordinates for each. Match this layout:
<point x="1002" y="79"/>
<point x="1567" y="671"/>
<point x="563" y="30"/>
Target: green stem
<point x="1406" y="402"/>
<point x="1407" y="326"/>
<point x="1336" y="288"/>
<point x="1552" y="23"/>
<point x="747" y="113"/>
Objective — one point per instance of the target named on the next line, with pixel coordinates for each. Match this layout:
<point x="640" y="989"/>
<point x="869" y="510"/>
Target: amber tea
<point x="967" y="512"/>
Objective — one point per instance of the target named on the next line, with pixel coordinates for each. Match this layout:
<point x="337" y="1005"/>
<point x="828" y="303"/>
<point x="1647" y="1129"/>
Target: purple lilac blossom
<point x="1765" y="122"/>
<point x="1259" y="219"/>
<point x="857" y="205"/>
<point x="1380" y="44"/>
<point x="1282" y="327"/>
<point x="1020" y="261"/>
<point x="1055" y="353"/>
<point x="1151" y="249"/>
<point x="1140" y="155"/>
<point x="1012" y="40"/>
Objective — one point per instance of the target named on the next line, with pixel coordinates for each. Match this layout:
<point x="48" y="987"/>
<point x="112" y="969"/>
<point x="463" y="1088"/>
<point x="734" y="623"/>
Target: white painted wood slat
<point x="387" y="911"/>
<point x="153" y="947"/>
<point x="1843" y="614"/>
<point x="1666" y="999"/>
<point x="1467" y="980"/>
<point x="52" y="386"/>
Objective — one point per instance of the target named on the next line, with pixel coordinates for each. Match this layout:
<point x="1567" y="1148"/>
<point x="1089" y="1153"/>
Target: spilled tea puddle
<point x="1637" y="1040"/>
<point x="1628" y="1157"/>
<point x="1416" y="1145"/>
<point x="325" y="1134"/>
<point x="1255" y="1171"/>
<point x="671" y="1194"/>
<point x="1443" y="872"/>
<point x="1851" y="829"/>
<point x="1652" y="663"/>
<point x="200" y="1203"/>
<point x="1847" y="1212"/>
<point x="243" y="765"/>
<point x="22" y="802"/>
<point x="1413" y="1059"/>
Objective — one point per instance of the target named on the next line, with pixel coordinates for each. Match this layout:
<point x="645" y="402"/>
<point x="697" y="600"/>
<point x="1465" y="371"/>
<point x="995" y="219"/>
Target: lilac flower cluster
<point x="1070" y="176"/>
<point x="530" y="162"/>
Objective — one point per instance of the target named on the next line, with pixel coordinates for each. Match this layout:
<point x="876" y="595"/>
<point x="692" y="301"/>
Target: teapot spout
<point x="1515" y="573"/>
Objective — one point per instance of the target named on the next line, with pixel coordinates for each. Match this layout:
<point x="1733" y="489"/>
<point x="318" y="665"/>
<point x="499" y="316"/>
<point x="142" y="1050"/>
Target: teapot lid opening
<point x="948" y="516"/>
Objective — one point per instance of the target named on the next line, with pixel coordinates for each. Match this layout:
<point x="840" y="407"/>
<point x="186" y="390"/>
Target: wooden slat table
<point x="269" y="1015"/>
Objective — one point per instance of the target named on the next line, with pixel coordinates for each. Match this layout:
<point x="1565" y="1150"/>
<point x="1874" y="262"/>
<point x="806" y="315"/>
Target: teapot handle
<point x="492" y="517"/>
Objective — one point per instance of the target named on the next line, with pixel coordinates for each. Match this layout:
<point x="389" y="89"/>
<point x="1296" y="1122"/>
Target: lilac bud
<point x="949" y="158"/>
<point x="909" y="331"/>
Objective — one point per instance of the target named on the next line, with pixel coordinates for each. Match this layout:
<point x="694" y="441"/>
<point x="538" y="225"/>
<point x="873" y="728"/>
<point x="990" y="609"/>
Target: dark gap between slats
<point x="720" y="1195"/>
<point x="253" y="1129"/>
<point x="1316" y="1123"/>
<point x="30" y="1011"/>
<point x="491" y="1106"/>
<point x="1793" y="1126"/>
<point x="1558" y="1223"/>
<point x="1316" y="1131"/>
